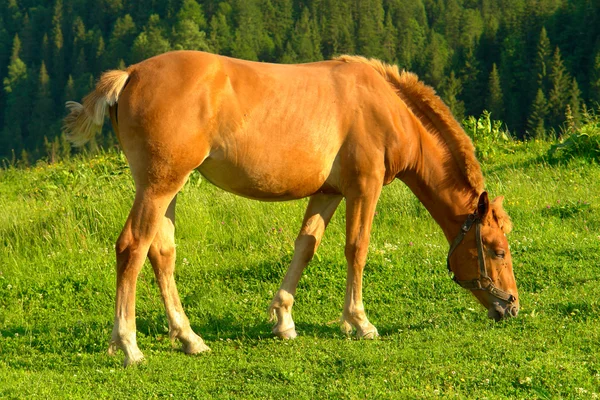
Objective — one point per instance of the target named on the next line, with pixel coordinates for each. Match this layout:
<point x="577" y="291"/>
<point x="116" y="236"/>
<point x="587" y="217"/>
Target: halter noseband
<point x="484" y="282"/>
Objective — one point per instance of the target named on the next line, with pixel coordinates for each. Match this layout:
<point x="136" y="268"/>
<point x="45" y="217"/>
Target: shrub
<point x="489" y="136"/>
<point x="579" y="142"/>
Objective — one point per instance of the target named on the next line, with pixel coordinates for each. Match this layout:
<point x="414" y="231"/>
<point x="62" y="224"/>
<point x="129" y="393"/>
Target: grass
<point x="59" y="223"/>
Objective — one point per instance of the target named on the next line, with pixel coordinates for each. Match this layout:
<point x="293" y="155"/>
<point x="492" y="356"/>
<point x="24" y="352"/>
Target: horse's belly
<point x="266" y="181"/>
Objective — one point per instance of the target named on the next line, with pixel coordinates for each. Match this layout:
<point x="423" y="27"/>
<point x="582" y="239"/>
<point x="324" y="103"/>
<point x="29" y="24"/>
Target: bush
<point x="582" y="142"/>
<point x="489" y="136"/>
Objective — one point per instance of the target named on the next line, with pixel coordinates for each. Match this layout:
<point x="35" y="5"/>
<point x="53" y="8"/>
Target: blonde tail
<point x="85" y="120"/>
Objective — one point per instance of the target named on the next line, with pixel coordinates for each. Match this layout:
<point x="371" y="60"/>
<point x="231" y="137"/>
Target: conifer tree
<point x="473" y="89"/>
<point x="220" y="31"/>
<point x="192" y="11"/>
<point x="42" y="114"/>
<point x="78" y="45"/>
<point x="390" y="40"/>
<point x="369" y="28"/>
<point x="16" y="112"/>
<point x="495" y="99"/>
<point x="70" y="93"/>
<point x="251" y="40"/>
<point x="187" y="36"/>
<point x="57" y="50"/>
<point x="304" y="43"/>
<point x="278" y="23"/>
<point x="451" y="91"/>
<point x="338" y="27"/>
<point x="595" y="80"/>
<point x="27" y="41"/>
<point x="151" y="41"/>
<point x="436" y="59"/>
<point x="542" y="61"/>
<point x="537" y="116"/>
<point x="120" y="42"/>
<point x="574" y="103"/>
<point x="558" y="98"/>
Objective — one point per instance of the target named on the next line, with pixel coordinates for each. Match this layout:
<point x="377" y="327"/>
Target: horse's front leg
<point x="360" y="209"/>
<point x="318" y="213"/>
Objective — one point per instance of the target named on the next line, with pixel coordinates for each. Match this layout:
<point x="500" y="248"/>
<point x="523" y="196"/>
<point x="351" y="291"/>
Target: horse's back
<point x="267" y="131"/>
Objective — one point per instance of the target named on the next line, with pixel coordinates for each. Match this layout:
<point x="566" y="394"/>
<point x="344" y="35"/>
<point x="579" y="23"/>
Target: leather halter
<point x="484" y="282"/>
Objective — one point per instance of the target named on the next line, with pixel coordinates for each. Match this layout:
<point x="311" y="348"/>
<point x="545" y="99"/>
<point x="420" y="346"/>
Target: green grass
<point x="58" y="226"/>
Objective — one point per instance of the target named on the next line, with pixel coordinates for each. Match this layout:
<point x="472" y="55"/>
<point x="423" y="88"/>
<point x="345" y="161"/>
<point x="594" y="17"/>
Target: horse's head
<point x="480" y="259"/>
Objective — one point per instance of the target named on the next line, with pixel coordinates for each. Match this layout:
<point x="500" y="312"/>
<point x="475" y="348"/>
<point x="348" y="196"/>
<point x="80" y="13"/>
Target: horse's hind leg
<point x="162" y="258"/>
<point x="132" y="247"/>
<point x="318" y="213"/>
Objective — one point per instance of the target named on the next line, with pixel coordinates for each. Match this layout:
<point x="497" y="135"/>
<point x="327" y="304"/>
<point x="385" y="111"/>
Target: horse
<point x="330" y="130"/>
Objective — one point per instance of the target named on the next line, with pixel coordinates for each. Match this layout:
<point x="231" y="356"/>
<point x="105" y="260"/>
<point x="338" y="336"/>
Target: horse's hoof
<point x="134" y="359"/>
<point x="289" y="333"/>
<point x="346" y="328"/>
<point x="195" y="347"/>
<point x="112" y="348"/>
<point x="369" y="333"/>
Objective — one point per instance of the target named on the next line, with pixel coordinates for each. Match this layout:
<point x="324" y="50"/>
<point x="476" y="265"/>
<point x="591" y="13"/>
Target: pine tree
<point x="537" y="116"/>
<point x="57" y="50"/>
<point x="369" y="28"/>
<point x="151" y="41"/>
<point x="16" y="113"/>
<point x="558" y="98"/>
<point x="251" y="40"/>
<point x="472" y="87"/>
<point x="70" y="93"/>
<point x="495" y="99"/>
<point x="220" y="31"/>
<point x="43" y="110"/>
<point x="278" y="23"/>
<point x="542" y="61"/>
<point x="27" y="41"/>
<point x="187" y="36"/>
<point x="390" y="40"/>
<point x="192" y="11"/>
<point x="120" y="42"/>
<point x="595" y="80"/>
<point x="78" y="58"/>
<point x="304" y="43"/>
<point x="436" y="59"/>
<point x="451" y="91"/>
<point x="337" y="28"/>
<point x="575" y="103"/>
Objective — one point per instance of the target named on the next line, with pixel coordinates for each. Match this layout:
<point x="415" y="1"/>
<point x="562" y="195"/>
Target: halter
<point x="484" y="282"/>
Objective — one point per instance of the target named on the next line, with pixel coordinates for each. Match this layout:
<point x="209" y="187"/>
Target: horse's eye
<point x="500" y="253"/>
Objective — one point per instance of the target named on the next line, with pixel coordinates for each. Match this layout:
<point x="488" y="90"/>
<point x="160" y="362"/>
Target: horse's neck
<point x="437" y="182"/>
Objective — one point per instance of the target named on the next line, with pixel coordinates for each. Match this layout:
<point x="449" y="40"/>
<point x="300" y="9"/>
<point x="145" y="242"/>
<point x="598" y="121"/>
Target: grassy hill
<point x="58" y="225"/>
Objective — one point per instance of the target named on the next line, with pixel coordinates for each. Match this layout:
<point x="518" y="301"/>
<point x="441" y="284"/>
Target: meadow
<point x="58" y="225"/>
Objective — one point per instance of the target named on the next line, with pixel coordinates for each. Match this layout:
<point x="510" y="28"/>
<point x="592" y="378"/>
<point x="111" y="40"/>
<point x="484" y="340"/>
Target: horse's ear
<point x="498" y="200"/>
<point x="483" y="206"/>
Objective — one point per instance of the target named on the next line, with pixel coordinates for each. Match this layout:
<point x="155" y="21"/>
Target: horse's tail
<point x="85" y="120"/>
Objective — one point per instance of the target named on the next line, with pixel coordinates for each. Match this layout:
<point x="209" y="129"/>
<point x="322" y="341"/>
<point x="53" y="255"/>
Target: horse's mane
<point x="432" y="112"/>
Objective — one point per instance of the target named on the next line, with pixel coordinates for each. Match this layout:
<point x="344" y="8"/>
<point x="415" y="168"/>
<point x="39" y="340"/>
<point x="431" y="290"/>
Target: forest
<point x="534" y="64"/>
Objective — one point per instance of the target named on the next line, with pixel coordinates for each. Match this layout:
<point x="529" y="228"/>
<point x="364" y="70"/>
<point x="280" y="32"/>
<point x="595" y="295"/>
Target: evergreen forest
<point x="534" y="64"/>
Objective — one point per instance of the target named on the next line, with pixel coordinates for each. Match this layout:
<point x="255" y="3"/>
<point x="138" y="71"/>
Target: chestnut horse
<point x="332" y="130"/>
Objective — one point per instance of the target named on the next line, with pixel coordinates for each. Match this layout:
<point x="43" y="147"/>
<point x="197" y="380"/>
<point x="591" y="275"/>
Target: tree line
<point x="534" y="64"/>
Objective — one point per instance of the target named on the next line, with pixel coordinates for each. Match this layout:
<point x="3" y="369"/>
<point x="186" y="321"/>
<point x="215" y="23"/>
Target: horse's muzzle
<point x="499" y="311"/>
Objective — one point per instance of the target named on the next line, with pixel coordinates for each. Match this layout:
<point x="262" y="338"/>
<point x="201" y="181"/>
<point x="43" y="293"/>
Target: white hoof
<point x="346" y="328"/>
<point x="194" y="346"/>
<point x="289" y="333"/>
<point x="135" y="358"/>
<point x="368" y="332"/>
